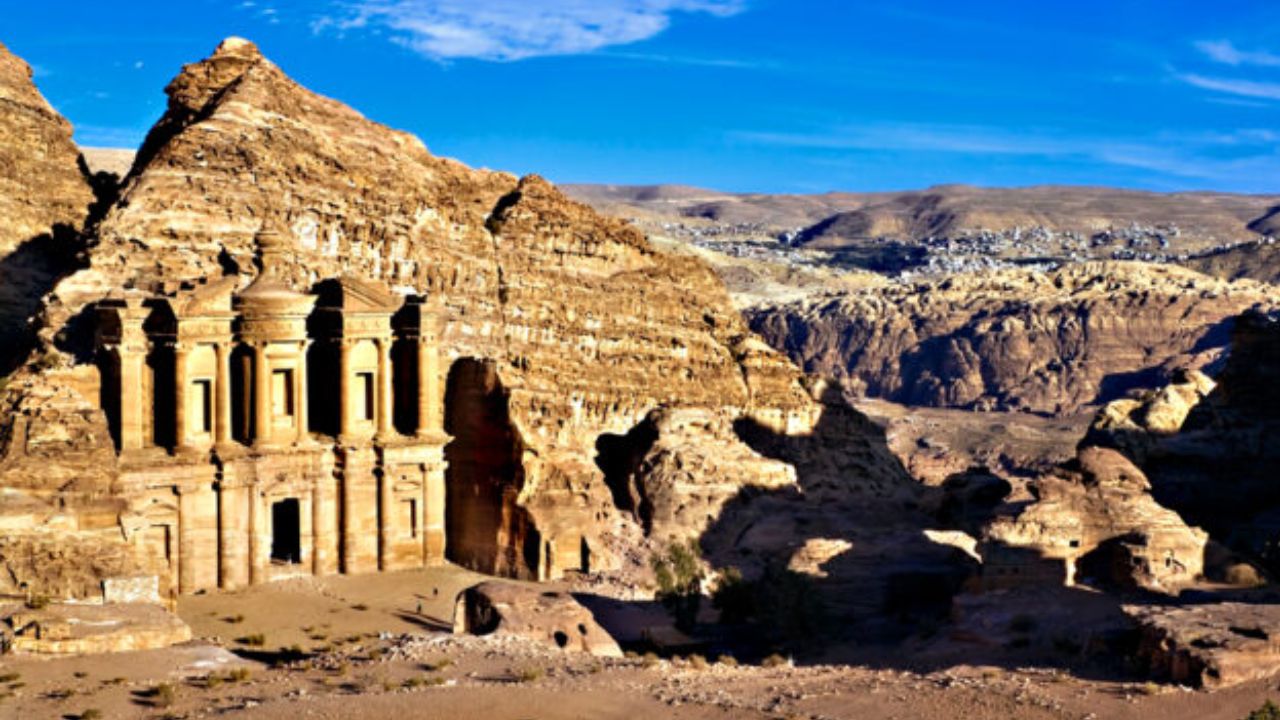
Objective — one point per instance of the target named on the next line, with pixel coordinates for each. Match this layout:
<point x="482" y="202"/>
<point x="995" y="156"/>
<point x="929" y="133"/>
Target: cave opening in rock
<point x="619" y="457"/>
<point x="486" y="529"/>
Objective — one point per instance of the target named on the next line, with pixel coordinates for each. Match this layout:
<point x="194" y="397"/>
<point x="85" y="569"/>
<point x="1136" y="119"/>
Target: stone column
<point x="325" y="525"/>
<point x="428" y="386"/>
<point x="233" y="546"/>
<point x="384" y="401"/>
<point x="344" y="389"/>
<point x="433" y="513"/>
<point x="133" y="405"/>
<point x="180" y="353"/>
<point x="386" y="537"/>
<point x="222" y="390"/>
<point x="300" y="394"/>
<point x="359" y="511"/>
<point x="262" y="395"/>
<point x="257" y="561"/>
<point x="186" y="540"/>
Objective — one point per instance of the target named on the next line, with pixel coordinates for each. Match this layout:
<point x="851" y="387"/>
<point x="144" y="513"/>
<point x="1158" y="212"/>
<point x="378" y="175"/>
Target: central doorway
<point x="286" y="532"/>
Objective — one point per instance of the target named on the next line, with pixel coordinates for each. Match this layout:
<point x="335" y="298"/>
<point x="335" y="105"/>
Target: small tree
<point x="678" y="572"/>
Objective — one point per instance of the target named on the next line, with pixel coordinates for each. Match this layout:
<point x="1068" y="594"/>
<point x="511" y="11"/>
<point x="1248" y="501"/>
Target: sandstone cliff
<point x="585" y="327"/>
<point x="1208" y="447"/>
<point x="44" y="199"/>
<point x="1097" y="516"/>
<point x="1023" y="340"/>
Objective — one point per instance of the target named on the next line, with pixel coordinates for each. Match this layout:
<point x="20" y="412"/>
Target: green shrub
<point x="678" y="572"/>
<point x="530" y="673"/>
<point x="254" y="640"/>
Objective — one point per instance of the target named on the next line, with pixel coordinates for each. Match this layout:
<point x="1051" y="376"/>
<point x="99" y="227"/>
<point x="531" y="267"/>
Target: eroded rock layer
<point x="579" y="326"/>
<point x="1208" y="447"/>
<point x="1014" y="340"/>
<point x="44" y="199"/>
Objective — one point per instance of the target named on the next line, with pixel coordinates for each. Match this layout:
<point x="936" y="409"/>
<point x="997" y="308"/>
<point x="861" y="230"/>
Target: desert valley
<point x="300" y="419"/>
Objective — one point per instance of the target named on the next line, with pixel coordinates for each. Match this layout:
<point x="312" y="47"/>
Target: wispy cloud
<point x="516" y="29"/>
<point x="1234" y="86"/>
<point x="729" y="63"/>
<point x="1247" y="158"/>
<point x="1225" y="52"/>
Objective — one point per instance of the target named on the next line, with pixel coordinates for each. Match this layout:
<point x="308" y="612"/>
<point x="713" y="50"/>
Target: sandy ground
<point x="358" y="647"/>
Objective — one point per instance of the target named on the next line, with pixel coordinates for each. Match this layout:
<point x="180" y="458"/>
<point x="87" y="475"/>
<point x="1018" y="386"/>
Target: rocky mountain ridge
<point x="1013" y="340"/>
<point x="584" y="327"/>
<point x="45" y="197"/>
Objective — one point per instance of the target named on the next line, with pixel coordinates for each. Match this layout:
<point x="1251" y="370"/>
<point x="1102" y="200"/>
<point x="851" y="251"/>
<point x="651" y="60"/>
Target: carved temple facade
<point x="265" y="433"/>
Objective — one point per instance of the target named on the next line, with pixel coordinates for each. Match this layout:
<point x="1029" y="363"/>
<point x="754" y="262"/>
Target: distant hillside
<point x="1256" y="261"/>
<point x="1192" y="222"/>
<point x="112" y="160"/>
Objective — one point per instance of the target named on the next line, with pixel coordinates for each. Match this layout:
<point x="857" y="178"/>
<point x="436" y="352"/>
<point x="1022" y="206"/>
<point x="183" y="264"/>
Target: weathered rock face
<point x="678" y="469"/>
<point x="85" y="629"/>
<point x="1256" y="261"/>
<point x="1102" y="524"/>
<point x="44" y="200"/>
<point x="1042" y="342"/>
<point x="1211" y="646"/>
<point x="554" y="619"/>
<point x="559" y="325"/>
<point x="1209" y="449"/>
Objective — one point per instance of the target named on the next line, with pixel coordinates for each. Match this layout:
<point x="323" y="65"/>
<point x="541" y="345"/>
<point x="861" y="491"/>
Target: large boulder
<point x="552" y="618"/>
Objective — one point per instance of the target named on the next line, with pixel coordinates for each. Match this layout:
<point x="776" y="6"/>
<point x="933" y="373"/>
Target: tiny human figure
<point x="419" y="607"/>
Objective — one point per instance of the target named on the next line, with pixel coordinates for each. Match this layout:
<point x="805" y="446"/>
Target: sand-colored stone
<point x="549" y="617"/>
<point x="88" y="629"/>
<point x="44" y="201"/>
<point x="1216" y="645"/>
<point x="1045" y="342"/>
<point x="1094" y="522"/>
<point x="402" y="297"/>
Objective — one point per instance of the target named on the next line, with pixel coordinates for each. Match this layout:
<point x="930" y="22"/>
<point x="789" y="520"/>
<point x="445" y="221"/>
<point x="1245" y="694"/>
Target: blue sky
<point x="767" y="95"/>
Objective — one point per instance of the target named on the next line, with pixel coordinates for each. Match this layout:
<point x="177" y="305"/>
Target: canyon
<point x="286" y="374"/>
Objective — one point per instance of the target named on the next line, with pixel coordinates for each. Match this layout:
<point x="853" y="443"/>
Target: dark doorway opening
<point x="286" y="532"/>
<point x="322" y="392"/>
<point x="486" y="529"/>
<point x="109" y="392"/>
<point x="404" y="385"/>
<point x="161" y="364"/>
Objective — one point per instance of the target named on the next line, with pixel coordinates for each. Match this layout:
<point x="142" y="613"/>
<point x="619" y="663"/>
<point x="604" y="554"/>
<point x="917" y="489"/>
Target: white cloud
<point x="1232" y="86"/>
<point x="1223" y="51"/>
<point x="1246" y="158"/>
<point x="517" y="29"/>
